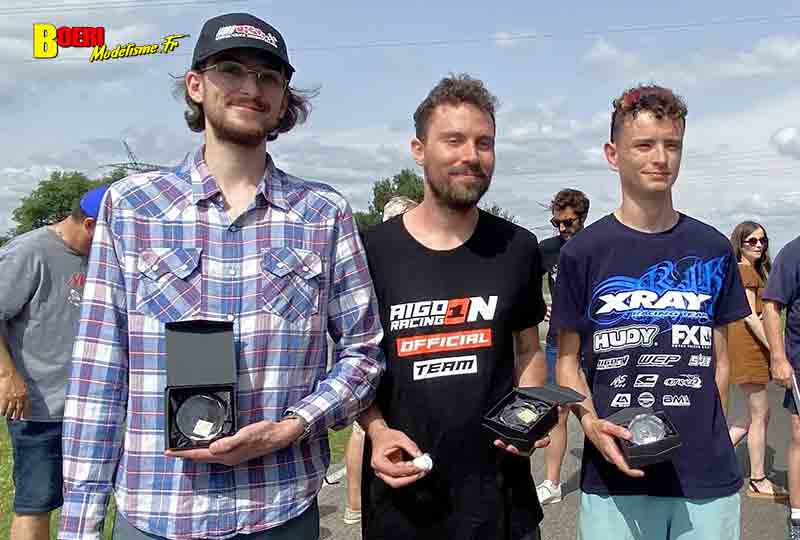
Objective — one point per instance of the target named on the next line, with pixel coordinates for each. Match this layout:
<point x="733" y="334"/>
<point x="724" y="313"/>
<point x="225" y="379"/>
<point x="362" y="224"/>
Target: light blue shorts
<point x="639" y="517"/>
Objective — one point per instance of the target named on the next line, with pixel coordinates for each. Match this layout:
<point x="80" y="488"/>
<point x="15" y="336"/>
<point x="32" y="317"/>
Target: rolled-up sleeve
<point x="355" y="327"/>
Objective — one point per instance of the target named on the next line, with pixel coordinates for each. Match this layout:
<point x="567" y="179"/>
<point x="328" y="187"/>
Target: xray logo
<point x="691" y="336"/>
<point x="670" y="290"/>
<point x="615" y="339"/>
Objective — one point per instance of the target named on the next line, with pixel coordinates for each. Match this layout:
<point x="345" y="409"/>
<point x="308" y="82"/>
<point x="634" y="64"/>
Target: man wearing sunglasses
<point x="569" y="207"/>
<point x="225" y="236"/>
<point x="642" y="304"/>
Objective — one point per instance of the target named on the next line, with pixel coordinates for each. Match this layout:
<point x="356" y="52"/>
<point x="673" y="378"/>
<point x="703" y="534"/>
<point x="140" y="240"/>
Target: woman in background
<point x="749" y="354"/>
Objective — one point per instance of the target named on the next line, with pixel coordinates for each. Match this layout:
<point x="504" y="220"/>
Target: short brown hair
<point x="659" y="101"/>
<point x="454" y="90"/>
<point x="296" y="112"/>
<point x="571" y="198"/>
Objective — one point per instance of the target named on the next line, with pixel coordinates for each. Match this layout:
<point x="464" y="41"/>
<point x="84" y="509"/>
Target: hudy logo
<point x="615" y="339"/>
<point x="48" y="40"/>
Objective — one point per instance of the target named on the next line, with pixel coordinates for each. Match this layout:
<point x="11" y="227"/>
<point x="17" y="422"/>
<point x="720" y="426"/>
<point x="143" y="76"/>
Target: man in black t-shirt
<point x="646" y="294"/>
<point x="459" y="293"/>
<point x="570" y="208"/>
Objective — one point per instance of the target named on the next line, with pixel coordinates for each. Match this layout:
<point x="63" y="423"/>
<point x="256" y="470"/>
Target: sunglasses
<point x="752" y="242"/>
<point x="555" y="222"/>
<point x="235" y="74"/>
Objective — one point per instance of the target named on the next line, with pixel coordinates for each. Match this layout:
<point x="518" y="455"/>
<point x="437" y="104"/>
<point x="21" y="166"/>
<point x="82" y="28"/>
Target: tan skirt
<point x="749" y="359"/>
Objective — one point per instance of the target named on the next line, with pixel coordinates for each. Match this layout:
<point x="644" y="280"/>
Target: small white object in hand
<point x="423" y="462"/>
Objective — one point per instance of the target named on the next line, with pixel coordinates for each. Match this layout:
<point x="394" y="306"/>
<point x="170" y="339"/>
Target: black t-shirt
<point x="645" y="306"/>
<point x="448" y="319"/>
<point x="549" y="250"/>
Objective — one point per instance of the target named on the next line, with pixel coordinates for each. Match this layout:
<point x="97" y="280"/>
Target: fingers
<point x="510" y="448"/>
<point x="543" y="442"/>
<point x="613" y="430"/>
<point x="393" y="482"/>
<point x="198" y="454"/>
<point x="226" y="444"/>
<point x="19" y="409"/>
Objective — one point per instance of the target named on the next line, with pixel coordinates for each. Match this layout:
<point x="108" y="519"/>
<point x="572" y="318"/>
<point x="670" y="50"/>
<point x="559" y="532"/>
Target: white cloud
<point x="504" y="39"/>
<point x="772" y="55"/>
<point x="787" y="142"/>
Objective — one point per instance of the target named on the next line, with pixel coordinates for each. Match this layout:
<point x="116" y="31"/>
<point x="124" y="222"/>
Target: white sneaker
<point x="548" y="492"/>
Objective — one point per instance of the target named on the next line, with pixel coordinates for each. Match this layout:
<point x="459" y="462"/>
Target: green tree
<point x="53" y="199"/>
<point x="408" y="184"/>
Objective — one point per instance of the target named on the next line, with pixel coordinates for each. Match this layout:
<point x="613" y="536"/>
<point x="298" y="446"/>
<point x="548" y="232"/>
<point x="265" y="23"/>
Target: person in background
<point x="44" y="271"/>
<point x="783" y="292"/>
<point x="570" y="208"/>
<point x="749" y="354"/>
<point x="354" y="453"/>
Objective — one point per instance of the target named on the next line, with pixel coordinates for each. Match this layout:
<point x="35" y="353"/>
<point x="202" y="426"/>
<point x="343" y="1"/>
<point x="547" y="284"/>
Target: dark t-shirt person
<point x="645" y="306"/>
<point x="550" y="250"/>
<point x="449" y="318"/>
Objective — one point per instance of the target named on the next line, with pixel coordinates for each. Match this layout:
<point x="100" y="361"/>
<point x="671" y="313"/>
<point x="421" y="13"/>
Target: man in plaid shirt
<point x="225" y="236"/>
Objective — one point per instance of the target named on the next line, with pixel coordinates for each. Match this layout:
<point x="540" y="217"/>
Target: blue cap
<point x="90" y="203"/>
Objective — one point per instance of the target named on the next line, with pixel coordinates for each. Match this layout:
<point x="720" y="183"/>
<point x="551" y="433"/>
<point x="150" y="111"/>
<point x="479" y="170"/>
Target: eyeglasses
<point x="235" y="74"/>
<point x="752" y="242"/>
<point x="555" y="222"/>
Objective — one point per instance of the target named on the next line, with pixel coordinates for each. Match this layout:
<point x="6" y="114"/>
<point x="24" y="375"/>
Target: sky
<point x="555" y="67"/>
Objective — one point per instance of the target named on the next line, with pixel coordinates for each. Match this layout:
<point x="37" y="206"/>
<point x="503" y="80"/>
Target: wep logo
<point x="47" y="39"/>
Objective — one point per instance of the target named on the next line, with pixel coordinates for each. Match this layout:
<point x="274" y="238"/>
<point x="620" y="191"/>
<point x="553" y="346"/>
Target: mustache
<point x="253" y="104"/>
<point x="476" y="171"/>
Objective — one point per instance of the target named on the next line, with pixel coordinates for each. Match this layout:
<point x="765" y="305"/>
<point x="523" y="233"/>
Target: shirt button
<point x="280" y="265"/>
<point x="154" y="268"/>
<point x="232" y="271"/>
<point x="230" y="317"/>
<point x="305" y="269"/>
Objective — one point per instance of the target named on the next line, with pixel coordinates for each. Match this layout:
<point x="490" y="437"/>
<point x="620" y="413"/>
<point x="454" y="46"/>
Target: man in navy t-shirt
<point x="646" y="294"/>
<point x="783" y="291"/>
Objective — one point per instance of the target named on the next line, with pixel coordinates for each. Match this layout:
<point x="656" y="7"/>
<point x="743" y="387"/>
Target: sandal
<point x="777" y="494"/>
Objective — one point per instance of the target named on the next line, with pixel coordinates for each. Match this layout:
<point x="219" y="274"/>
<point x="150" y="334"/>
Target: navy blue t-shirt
<point x="645" y="305"/>
<point x="783" y="286"/>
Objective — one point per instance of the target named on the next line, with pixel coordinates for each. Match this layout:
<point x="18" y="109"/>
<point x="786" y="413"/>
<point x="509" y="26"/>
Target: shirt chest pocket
<point x="290" y="284"/>
<point x="170" y="283"/>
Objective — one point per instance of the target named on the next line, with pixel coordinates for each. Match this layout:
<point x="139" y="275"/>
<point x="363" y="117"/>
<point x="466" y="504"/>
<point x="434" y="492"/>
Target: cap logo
<point x="246" y="31"/>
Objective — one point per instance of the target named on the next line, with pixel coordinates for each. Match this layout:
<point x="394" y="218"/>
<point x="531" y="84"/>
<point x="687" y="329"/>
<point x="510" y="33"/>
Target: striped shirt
<point x="289" y="271"/>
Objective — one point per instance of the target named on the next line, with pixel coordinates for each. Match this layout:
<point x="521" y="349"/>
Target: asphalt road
<point x="760" y="520"/>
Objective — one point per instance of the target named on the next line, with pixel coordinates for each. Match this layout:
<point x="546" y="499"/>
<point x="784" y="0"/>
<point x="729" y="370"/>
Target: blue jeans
<point x="38" y="480"/>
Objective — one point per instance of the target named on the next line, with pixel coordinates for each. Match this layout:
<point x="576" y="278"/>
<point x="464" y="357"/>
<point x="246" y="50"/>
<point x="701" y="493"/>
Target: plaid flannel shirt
<point x="288" y="271"/>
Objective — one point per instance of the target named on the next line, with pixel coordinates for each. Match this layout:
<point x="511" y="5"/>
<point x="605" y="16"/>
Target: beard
<point x="227" y="131"/>
<point x="458" y="196"/>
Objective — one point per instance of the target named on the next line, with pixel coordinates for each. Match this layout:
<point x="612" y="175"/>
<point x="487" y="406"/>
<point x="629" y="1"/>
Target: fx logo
<point x="691" y="336"/>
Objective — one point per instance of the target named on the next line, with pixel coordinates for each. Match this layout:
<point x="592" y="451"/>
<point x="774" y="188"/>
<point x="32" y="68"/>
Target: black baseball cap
<point x="240" y="30"/>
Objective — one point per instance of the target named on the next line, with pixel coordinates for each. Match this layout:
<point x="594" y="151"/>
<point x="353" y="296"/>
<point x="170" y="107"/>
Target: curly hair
<point x="297" y="111"/>
<point x="744" y="229"/>
<point x="454" y="90"/>
<point x="571" y="198"/>
<point x="659" y="101"/>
